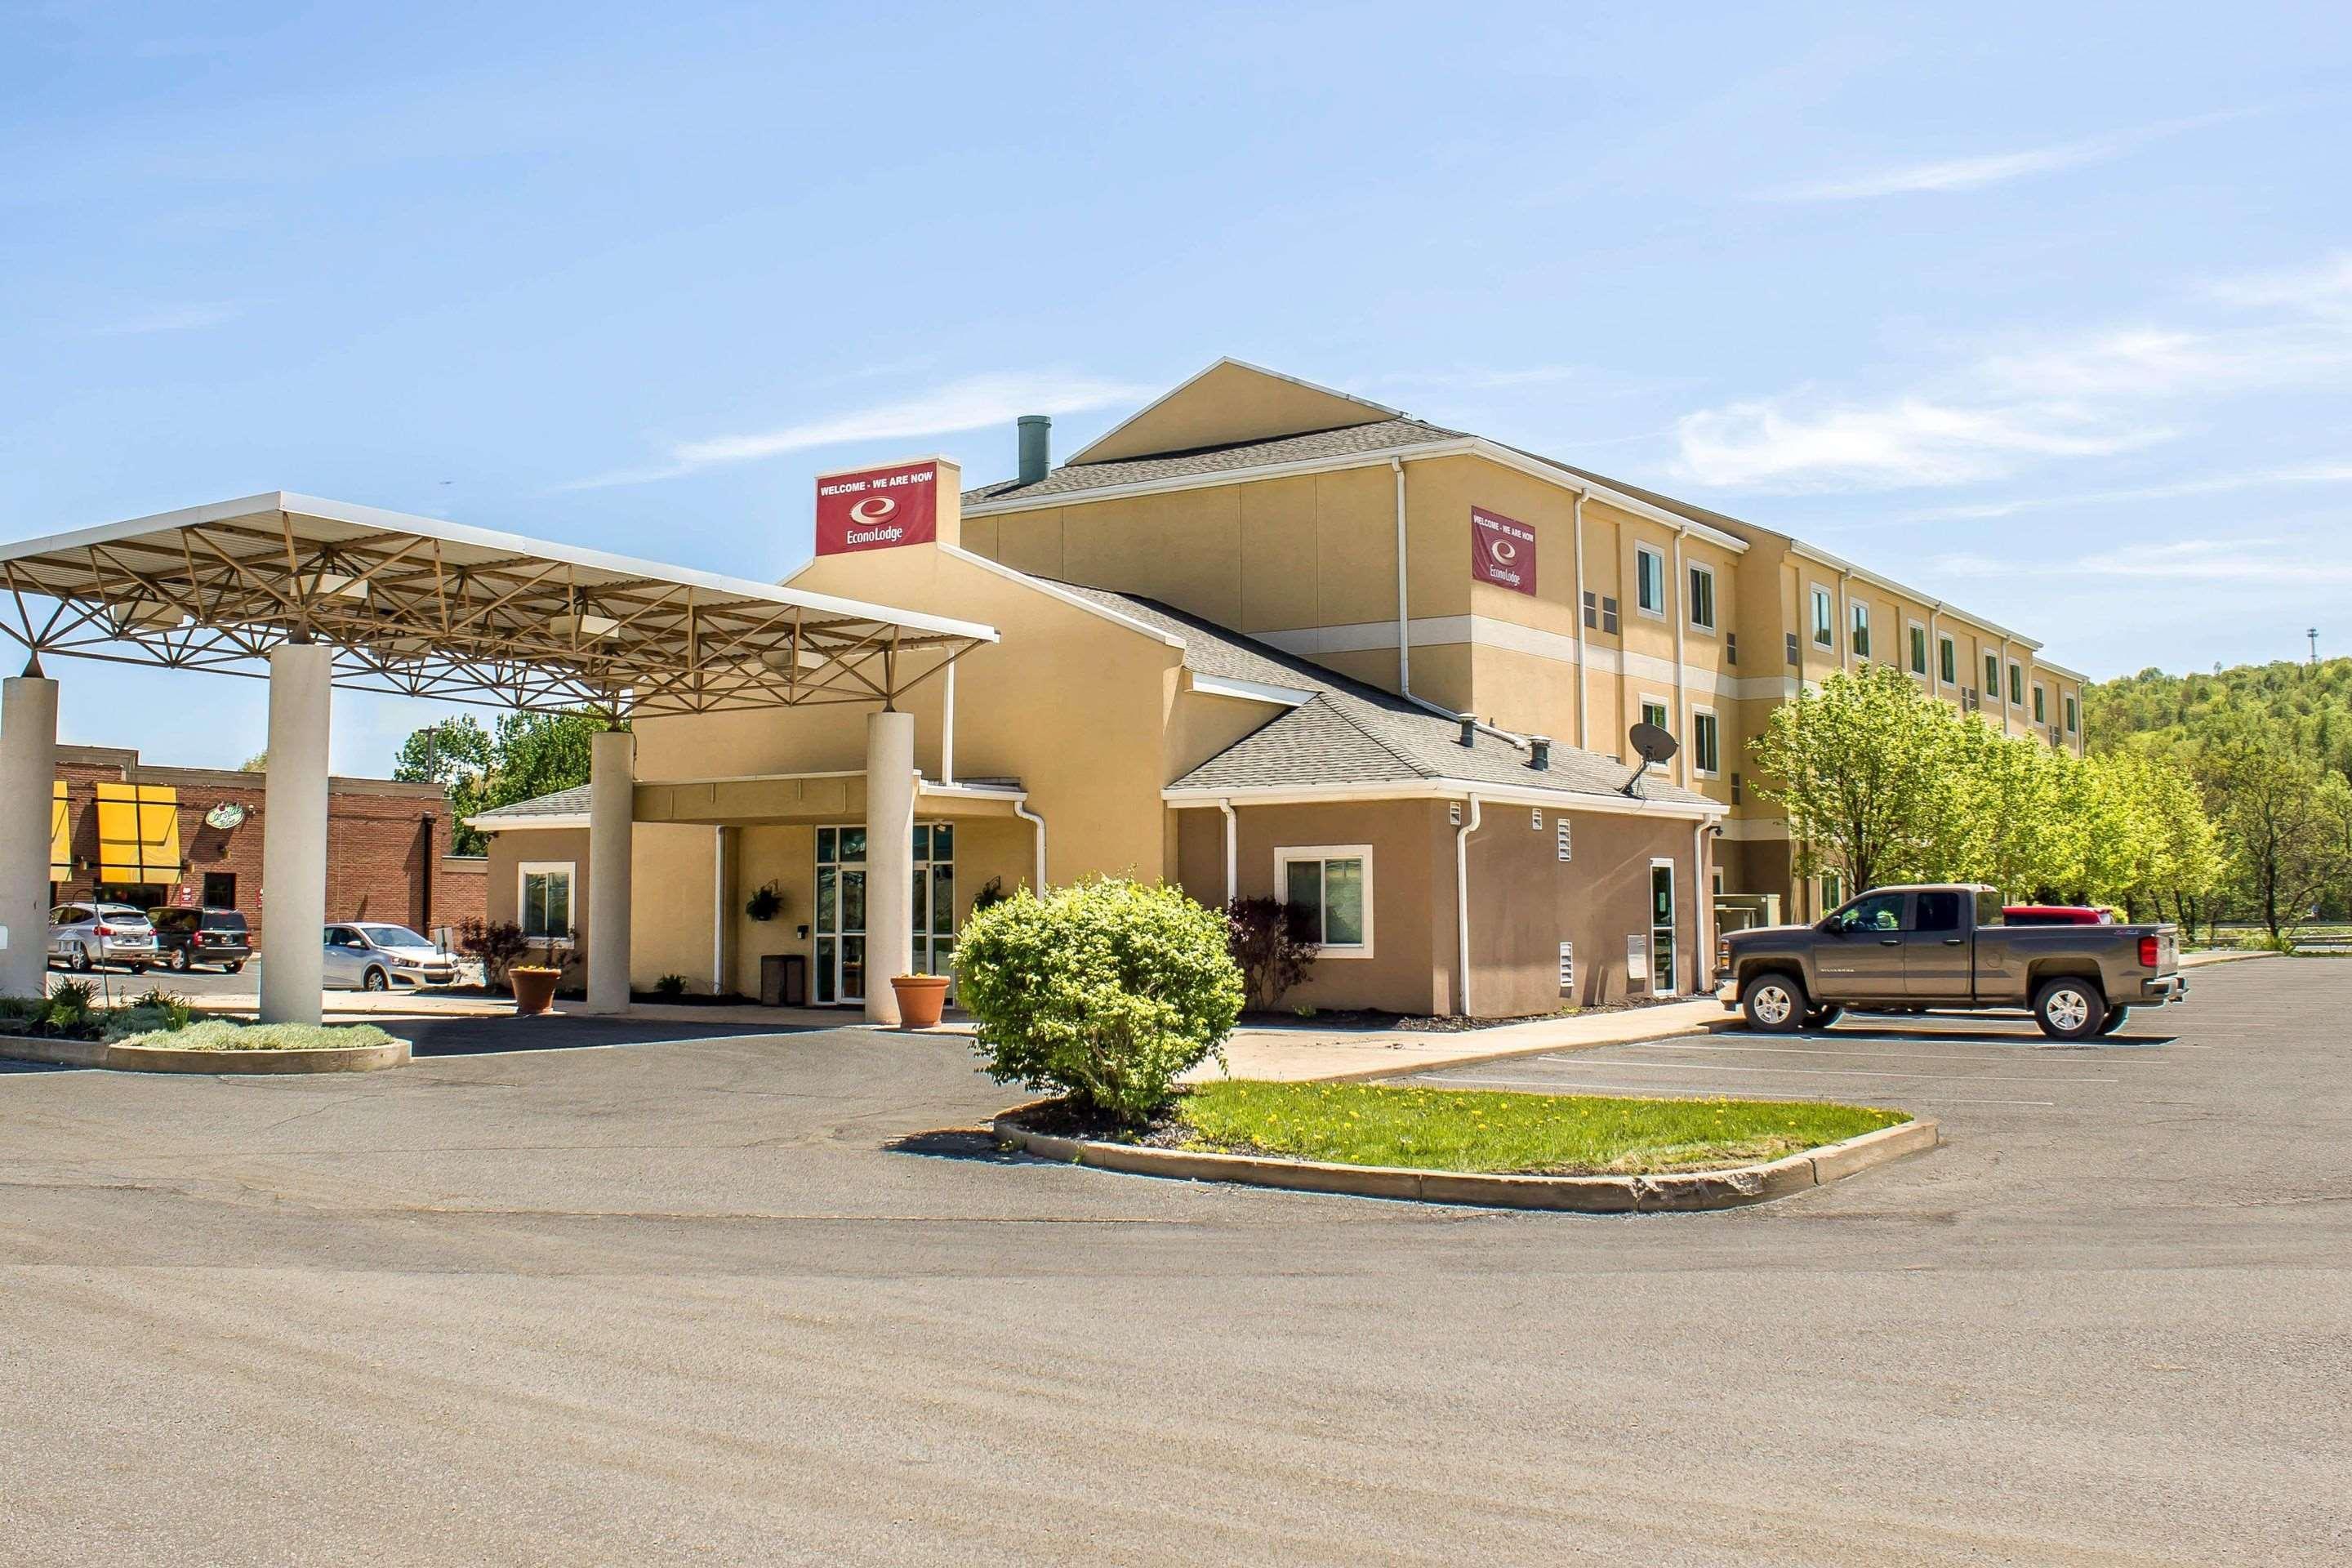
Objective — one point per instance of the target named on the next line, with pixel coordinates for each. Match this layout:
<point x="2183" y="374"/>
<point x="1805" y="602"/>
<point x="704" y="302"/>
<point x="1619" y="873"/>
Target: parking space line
<point x="1831" y="1072"/>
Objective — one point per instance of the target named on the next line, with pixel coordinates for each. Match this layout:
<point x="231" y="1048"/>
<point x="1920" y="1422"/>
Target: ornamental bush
<point x="1103" y="992"/>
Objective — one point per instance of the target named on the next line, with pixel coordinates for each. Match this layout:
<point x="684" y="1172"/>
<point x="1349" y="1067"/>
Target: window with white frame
<point x="1918" y="649"/>
<point x="544" y="900"/>
<point x="1861" y="629"/>
<point x="1824" y="618"/>
<point x="1649" y="580"/>
<point x="1947" y="660"/>
<point x="1328" y="889"/>
<point x="1705" y="754"/>
<point x="2073" y="715"/>
<point x="2016" y="684"/>
<point x="1702" y="597"/>
<point x="1655" y="711"/>
<point x="2040" y="714"/>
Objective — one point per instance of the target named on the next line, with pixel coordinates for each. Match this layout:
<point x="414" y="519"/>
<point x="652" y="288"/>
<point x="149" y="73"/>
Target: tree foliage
<point x="1104" y="991"/>
<point x="525" y="756"/>
<point x="1272" y="954"/>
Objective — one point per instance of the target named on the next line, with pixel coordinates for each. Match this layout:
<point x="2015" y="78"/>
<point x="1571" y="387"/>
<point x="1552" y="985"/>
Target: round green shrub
<point x="1103" y="992"/>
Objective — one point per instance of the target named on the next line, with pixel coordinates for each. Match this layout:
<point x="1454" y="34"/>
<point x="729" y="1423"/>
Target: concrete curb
<point x="149" y="1058"/>
<point x="1683" y="1192"/>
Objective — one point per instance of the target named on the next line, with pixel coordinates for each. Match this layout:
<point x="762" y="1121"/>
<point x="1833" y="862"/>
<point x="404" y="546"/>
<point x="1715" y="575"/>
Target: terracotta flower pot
<point x="921" y="998"/>
<point x="533" y="988"/>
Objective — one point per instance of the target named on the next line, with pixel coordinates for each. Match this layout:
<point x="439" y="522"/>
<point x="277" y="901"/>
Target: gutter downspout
<point x="1583" y="663"/>
<point x="1021" y="809"/>
<point x="947" y="729"/>
<point x="719" y="910"/>
<point x="1678" y="599"/>
<point x="1232" y="853"/>
<point x="1404" y="638"/>
<point x="1462" y="900"/>
<point x="1702" y="912"/>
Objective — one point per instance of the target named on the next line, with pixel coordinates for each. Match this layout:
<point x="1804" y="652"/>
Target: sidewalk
<point x="1290" y="1055"/>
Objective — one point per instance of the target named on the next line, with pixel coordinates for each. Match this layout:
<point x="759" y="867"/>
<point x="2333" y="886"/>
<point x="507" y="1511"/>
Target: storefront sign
<point x="879" y="509"/>
<point x="1501" y="551"/>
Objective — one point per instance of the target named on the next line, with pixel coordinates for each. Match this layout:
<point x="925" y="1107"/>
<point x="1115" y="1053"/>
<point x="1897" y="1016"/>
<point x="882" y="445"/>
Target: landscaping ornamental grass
<point x="1526" y="1135"/>
<point x="225" y="1035"/>
<point x="160" y="1020"/>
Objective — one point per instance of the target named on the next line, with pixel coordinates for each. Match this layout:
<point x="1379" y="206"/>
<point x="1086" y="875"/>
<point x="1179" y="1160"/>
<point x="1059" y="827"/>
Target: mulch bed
<point x="1061" y="1119"/>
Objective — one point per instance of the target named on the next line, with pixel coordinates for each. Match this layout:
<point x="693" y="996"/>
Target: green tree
<point x="2275" y="831"/>
<point x="1863" y="769"/>
<point x="525" y="756"/>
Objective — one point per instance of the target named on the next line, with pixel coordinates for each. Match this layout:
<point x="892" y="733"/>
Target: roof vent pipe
<point x="1469" y="730"/>
<point x="1036" y="446"/>
<point x="1539" y="753"/>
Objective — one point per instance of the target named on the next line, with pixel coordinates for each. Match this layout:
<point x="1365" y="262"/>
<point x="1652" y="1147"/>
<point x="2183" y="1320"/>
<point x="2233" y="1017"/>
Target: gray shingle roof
<point x="1349" y="732"/>
<point x="562" y="803"/>
<point x="1378" y="436"/>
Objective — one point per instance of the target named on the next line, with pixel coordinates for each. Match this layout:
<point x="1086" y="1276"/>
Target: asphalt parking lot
<point x="772" y="1299"/>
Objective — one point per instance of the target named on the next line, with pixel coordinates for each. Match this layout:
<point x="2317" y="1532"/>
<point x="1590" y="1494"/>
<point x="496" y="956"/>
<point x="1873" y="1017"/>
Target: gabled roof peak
<point x="1228" y="403"/>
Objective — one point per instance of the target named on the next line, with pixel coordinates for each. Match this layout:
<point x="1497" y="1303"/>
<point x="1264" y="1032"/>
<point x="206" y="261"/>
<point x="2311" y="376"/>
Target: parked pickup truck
<point x="1945" y="946"/>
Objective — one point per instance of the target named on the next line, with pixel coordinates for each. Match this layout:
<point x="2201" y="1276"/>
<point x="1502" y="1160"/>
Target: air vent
<point x="1560" y="839"/>
<point x="1592" y="616"/>
<point x="1731" y="647"/>
<point x="1608" y="615"/>
<point x="1567" y="967"/>
<point x="1792" y="647"/>
<point x="1735" y="789"/>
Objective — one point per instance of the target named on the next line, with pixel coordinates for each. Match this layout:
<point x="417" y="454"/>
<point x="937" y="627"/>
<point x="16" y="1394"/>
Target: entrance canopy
<point x="413" y="606"/>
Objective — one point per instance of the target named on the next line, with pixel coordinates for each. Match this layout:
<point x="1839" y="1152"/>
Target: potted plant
<point x="921" y="999"/>
<point x="534" y="983"/>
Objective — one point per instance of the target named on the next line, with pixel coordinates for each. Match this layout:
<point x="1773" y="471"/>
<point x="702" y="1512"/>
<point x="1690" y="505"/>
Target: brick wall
<point x="380" y="857"/>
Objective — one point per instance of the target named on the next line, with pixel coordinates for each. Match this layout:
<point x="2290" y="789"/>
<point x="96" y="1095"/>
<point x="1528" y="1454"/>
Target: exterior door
<point x="931" y="911"/>
<point x="342" y="966"/>
<point x="1937" y="956"/>
<point x="840" y="977"/>
<point x="1863" y="955"/>
<point x="1662" y="929"/>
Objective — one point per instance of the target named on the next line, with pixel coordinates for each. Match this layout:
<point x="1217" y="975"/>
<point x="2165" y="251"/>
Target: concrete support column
<point x="611" y="816"/>
<point x="28" y="768"/>
<point x="294" y="833"/>
<point x="889" y="859"/>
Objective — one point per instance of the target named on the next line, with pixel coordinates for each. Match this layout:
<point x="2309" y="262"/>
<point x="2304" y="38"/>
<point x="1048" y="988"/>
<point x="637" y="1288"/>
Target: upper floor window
<point x="2072" y="716"/>
<point x="1702" y="597"/>
<point x="1824" y="619"/>
<point x="1649" y="580"/>
<point x="2016" y="684"/>
<point x="1860" y="630"/>
<point x="2039" y="716"/>
<point x="1947" y="660"/>
<point x="1918" y="649"/>
<point x="1705" y="751"/>
<point x="1992" y="677"/>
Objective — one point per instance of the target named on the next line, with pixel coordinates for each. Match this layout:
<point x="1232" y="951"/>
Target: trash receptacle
<point x="783" y="979"/>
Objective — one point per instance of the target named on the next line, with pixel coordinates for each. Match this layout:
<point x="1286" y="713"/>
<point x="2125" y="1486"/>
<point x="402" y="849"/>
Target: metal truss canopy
<point x="417" y="607"/>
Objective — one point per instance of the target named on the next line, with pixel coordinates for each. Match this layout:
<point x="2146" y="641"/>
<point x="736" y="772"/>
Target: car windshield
<point x="392" y="936"/>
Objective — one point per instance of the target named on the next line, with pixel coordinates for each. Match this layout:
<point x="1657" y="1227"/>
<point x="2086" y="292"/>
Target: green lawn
<point x="1541" y="1134"/>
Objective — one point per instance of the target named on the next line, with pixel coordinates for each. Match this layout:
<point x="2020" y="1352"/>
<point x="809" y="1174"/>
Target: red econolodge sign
<point x="1501" y="551"/>
<point x="877" y="508"/>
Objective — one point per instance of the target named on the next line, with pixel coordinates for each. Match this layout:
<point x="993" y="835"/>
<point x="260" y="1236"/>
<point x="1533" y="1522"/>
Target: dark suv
<point x="186" y="938"/>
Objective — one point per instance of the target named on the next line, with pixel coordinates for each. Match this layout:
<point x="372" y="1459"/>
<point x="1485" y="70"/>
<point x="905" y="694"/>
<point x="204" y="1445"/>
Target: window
<point x="2016" y="684"/>
<point x="1832" y="889"/>
<point x="2071" y="725"/>
<point x="1860" y="630"/>
<point x="1702" y="598"/>
<point x="1329" y="891"/>
<point x="1662" y="927"/>
<point x="1704" y="755"/>
<point x="1879" y="911"/>
<point x="1947" y="660"/>
<point x="1649" y="580"/>
<point x="1992" y="676"/>
<point x="1938" y="912"/>
<point x="1654" y="712"/>
<point x="220" y="890"/>
<point x="1824" y="619"/>
<point x="2040" y="715"/>
<point x="546" y="900"/>
<point x="1918" y="649"/>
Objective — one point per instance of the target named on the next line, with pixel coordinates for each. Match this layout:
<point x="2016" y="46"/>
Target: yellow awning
<point x="60" y="836"/>
<point x="137" y="833"/>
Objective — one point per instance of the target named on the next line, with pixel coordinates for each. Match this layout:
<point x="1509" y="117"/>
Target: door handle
<point x="1952" y="941"/>
<point x="1890" y="941"/>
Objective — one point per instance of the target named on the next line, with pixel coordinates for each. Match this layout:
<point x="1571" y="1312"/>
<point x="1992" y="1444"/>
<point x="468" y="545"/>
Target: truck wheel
<point x="1774" y="1004"/>
<point x="1822" y="1017"/>
<point x="2069" y="1009"/>
<point x="2114" y="1020"/>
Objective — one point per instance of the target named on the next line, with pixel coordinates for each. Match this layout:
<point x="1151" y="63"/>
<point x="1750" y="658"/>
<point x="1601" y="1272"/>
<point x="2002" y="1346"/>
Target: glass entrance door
<point x="1662" y="927"/>
<point x="840" y="915"/>
<point x="841" y="978"/>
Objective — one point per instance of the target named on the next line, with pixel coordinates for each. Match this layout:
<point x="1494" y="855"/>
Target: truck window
<point x="1879" y="911"/>
<point x="1938" y="912"/>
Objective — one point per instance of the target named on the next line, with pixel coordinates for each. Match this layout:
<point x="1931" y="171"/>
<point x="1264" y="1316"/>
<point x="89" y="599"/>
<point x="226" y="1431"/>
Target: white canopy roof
<point x="419" y="607"/>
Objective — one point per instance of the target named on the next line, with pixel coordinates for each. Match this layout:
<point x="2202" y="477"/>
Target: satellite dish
<point x="1653" y="745"/>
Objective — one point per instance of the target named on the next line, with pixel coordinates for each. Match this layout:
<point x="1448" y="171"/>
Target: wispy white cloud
<point x="2202" y="485"/>
<point x="1798" y="444"/>
<point x="180" y="318"/>
<point x="971" y="404"/>
<point x="2255" y="562"/>
<point x="2161" y="362"/>
<point x="2323" y="289"/>
<point x="1972" y="173"/>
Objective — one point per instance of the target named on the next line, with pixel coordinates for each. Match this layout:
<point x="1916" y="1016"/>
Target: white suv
<point x="85" y="935"/>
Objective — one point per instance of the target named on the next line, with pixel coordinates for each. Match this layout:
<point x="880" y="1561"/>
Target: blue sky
<point x="2046" y="309"/>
